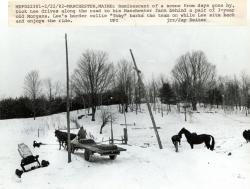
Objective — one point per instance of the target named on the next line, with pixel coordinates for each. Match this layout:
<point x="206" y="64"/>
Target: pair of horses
<point x="62" y="138"/>
<point x="194" y="138"/>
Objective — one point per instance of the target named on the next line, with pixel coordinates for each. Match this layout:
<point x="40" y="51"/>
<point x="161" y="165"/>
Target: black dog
<point x="246" y="135"/>
<point x="37" y="144"/>
<point x="19" y="173"/>
<point x="176" y="139"/>
<point x="45" y="163"/>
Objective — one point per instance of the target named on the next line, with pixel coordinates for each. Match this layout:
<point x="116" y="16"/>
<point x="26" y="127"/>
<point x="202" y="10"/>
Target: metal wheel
<point x="112" y="157"/>
<point x="87" y="155"/>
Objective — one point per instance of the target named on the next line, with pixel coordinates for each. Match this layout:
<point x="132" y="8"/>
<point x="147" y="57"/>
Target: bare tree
<point x="194" y="74"/>
<point x="48" y="88"/>
<point x="93" y="75"/>
<point x="58" y="90"/>
<point x="245" y="82"/>
<point x="235" y="92"/>
<point x="78" y="94"/>
<point x="105" y="118"/>
<point x="139" y="92"/>
<point x="33" y="89"/>
<point x="52" y="90"/>
<point x="124" y="82"/>
<point x="153" y="91"/>
<point x="237" y="100"/>
<point x="232" y="92"/>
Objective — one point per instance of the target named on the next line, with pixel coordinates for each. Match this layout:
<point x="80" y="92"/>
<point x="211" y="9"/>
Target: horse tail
<point x="213" y="143"/>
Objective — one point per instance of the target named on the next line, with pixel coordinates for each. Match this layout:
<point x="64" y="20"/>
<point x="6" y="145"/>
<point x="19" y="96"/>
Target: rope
<point x="38" y="144"/>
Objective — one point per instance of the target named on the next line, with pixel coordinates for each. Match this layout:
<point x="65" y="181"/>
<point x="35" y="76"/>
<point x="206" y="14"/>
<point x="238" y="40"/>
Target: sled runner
<point x="91" y="147"/>
<point x="27" y="157"/>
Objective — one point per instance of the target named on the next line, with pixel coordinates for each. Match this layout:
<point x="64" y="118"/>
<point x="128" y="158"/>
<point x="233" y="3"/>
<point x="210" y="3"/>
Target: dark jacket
<point x="82" y="134"/>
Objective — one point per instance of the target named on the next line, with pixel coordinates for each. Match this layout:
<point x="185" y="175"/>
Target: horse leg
<point x="176" y="146"/>
<point x="207" y="144"/>
<point x="192" y="146"/>
<point x="66" y="146"/>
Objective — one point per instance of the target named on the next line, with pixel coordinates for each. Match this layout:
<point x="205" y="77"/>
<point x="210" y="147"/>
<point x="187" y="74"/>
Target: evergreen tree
<point x="167" y="95"/>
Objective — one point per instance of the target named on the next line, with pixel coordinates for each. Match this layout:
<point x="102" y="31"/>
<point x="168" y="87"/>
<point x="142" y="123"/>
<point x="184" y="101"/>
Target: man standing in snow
<point x="81" y="134"/>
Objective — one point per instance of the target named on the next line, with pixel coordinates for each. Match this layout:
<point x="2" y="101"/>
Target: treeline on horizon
<point x="97" y="81"/>
<point x="20" y="107"/>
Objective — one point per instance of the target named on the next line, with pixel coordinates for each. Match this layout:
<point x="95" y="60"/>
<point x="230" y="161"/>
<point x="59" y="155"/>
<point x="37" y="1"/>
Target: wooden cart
<point x="91" y="147"/>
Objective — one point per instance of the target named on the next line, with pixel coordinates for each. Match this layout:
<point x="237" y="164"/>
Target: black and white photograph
<point x="122" y="107"/>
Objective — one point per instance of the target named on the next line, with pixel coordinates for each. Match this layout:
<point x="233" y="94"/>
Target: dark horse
<point x="193" y="138"/>
<point x="63" y="138"/>
<point x="246" y="135"/>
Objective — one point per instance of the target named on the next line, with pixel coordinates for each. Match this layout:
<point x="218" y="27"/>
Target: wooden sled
<point x="27" y="157"/>
<point x="91" y="147"/>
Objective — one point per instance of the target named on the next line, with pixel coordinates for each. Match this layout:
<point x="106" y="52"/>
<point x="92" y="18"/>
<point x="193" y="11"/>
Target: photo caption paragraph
<point x="129" y="12"/>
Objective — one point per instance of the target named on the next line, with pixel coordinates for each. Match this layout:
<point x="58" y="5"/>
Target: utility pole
<point x="111" y="122"/>
<point x="148" y="105"/>
<point x="112" y="134"/>
<point x="67" y="83"/>
<point x="125" y="130"/>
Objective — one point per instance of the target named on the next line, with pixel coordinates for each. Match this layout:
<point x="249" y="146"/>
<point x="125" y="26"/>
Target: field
<point x="143" y="165"/>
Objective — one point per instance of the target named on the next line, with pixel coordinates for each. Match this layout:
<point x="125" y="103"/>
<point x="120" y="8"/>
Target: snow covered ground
<point x="143" y="165"/>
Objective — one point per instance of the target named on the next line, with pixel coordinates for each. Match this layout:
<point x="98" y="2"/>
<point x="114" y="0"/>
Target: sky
<point x="156" y="49"/>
